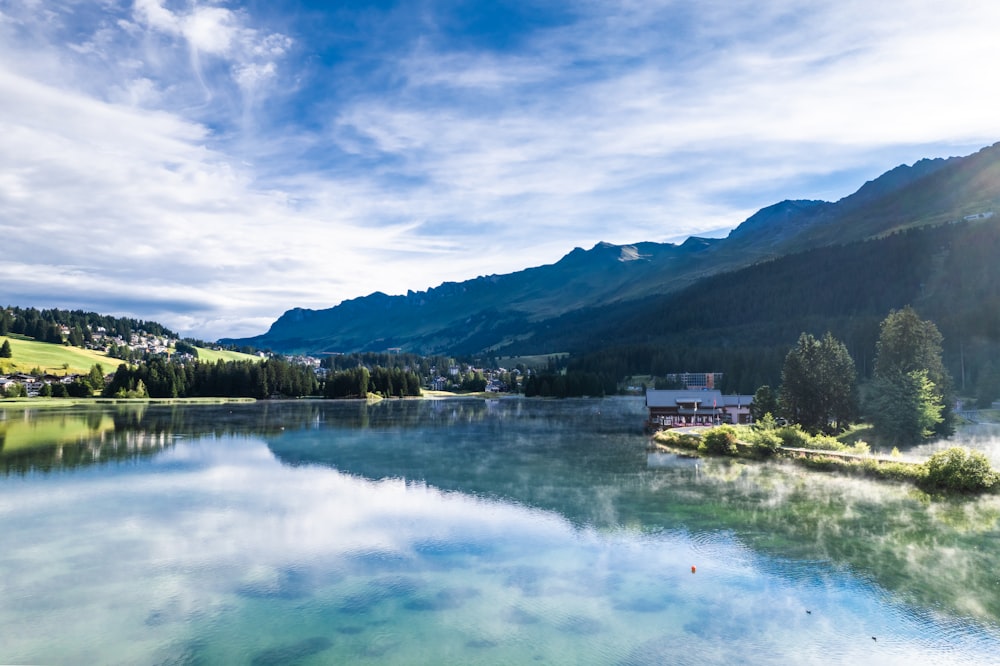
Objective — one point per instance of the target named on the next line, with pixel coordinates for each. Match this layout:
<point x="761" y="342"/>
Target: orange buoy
<point x="693" y="569"/>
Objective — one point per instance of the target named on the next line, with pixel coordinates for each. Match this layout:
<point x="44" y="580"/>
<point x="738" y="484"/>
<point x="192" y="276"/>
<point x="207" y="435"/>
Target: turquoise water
<point x="461" y="531"/>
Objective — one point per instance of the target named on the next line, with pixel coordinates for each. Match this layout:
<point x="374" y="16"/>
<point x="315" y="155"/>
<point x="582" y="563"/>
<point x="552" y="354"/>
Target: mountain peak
<point x="779" y="218"/>
<point x="619" y="252"/>
<point x="893" y="180"/>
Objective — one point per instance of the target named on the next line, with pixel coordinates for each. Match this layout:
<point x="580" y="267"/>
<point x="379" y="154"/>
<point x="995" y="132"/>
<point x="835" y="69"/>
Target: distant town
<point x="137" y="346"/>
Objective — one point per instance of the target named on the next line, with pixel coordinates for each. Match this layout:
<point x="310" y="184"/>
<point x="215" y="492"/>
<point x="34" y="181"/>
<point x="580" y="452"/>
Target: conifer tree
<point x="910" y="397"/>
<point x="818" y="389"/>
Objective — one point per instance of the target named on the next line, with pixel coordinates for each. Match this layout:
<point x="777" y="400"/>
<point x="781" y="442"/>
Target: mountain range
<point x="885" y="246"/>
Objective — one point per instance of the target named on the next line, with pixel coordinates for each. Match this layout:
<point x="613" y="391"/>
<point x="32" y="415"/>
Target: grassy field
<point x="211" y="355"/>
<point x="54" y="359"/>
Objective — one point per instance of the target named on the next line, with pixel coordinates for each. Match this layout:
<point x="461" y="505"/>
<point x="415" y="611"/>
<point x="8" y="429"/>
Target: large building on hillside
<point x="696" y="381"/>
<point x="672" y="409"/>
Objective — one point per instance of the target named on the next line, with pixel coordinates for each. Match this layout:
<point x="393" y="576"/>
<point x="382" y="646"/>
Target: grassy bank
<point x="953" y="470"/>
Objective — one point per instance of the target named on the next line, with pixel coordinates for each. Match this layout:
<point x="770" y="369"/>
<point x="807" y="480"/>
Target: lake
<point x="464" y="531"/>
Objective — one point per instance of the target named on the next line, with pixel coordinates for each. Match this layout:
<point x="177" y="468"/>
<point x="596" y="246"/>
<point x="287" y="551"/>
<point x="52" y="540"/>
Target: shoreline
<point x="12" y="403"/>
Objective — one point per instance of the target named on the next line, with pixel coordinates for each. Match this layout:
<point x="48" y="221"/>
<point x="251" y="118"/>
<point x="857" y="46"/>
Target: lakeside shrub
<point x="869" y="468"/>
<point x="765" y="442"/>
<point x="890" y="471"/>
<point x="824" y="443"/>
<point x="822" y="463"/>
<point x="960" y="470"/>
<point x="766" y="422"/>
<point x="954" y="470"/>
<point x="677" y="440"/>
<point x="793" y="436"/>
<point x="720" y="440"/>
<point x="860" y="448"/>
<point x="898" y="471"/>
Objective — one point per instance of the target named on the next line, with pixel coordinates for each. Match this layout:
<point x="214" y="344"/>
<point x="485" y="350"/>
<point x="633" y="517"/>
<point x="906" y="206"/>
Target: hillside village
<point x="140" y="345"/>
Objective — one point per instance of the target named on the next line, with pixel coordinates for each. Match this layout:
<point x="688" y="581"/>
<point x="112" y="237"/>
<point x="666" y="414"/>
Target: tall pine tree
<point x="818" y="385"/>
<point x="909" y="399"/>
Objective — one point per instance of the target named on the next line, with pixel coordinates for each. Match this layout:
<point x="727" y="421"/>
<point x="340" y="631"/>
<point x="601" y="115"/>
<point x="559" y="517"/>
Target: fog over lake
<point x="465" y="531"/>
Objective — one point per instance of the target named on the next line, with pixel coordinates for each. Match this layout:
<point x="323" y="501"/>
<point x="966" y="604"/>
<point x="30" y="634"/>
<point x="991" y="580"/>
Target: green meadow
<point x="28" y="354"/>
<point x="213" y="355"/>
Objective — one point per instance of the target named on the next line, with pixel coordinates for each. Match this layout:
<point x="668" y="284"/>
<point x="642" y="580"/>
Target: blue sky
<point x="212" y="164"/>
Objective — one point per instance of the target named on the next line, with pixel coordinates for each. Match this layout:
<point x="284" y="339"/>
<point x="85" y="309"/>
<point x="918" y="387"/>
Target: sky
<point x="209" y="164"/>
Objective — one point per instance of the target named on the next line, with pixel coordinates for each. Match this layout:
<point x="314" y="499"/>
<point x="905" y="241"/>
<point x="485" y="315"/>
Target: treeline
<point x="360" y="381"/>
<point x="406" y="361"/>
<point x="569" y="385"/>
<point x="158" y="378"/>
<point x="414" y="368"/>
<point x="743" y="369"/>
<point x="45" y="325"/>
<point x="274" y="377"/>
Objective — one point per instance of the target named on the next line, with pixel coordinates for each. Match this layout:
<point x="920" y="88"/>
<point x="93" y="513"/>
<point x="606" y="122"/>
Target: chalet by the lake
<point x="672" y="409"/>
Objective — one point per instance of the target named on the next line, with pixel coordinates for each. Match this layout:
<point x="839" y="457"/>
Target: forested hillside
<point x="46" y="325"/>
<point x="743" y="322"/>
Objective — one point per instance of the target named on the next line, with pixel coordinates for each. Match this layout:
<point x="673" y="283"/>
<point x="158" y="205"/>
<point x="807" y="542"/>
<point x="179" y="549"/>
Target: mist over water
<point x="983" y="437"/>
<point x="464" y="532"/>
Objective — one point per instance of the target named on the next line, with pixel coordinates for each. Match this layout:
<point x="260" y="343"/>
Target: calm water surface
<point x="463" y="531"/>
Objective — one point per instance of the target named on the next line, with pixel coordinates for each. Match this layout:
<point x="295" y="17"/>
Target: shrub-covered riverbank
<point x="955" y="470"/>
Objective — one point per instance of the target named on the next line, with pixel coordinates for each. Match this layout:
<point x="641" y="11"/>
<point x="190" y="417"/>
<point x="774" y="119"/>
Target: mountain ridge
<point x="491" y="312"/>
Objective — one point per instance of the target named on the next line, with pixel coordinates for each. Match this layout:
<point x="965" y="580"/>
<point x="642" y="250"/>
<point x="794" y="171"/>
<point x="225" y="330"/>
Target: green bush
<point x="860" y="448"/>
<point x="961" y="470"/>
<point x="765" y="442"/>
<point x="766" y="422"/>
<point x="879" y="469"/>
<point x="678" y="440"/>
<point x="824" y="463"/>
<point x="898" y="471"/>
<point x="793" y="436"/>
<point x="720" y="440"/>
<point x="868" y="467"/>
<point x="824" y="443"/>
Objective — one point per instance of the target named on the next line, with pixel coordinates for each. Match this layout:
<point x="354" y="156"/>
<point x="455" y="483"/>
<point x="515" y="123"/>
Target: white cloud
<point x="147" y="210"/>
<point x="194" y="152"/>
<point x="741" y="105"/>
<point x="219" y="32"/>
<point x="211" y="29"/>
<point x="252" y="75"/>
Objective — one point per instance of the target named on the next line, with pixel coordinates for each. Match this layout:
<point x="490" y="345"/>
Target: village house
<point x="6" y="384"/>
<point x="675" y="408"/>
